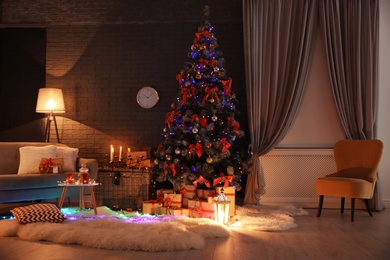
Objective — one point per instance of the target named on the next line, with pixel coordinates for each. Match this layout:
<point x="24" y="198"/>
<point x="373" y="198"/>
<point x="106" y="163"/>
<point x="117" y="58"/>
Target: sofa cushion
<point x="70" y="156"/>
<point x="30" y="157"/>
<point x="44" y="212"/>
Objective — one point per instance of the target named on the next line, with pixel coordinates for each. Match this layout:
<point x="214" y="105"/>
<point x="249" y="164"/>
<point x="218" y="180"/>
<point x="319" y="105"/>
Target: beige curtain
<point x="350" y="29"/>
<point x="277" y="41"/>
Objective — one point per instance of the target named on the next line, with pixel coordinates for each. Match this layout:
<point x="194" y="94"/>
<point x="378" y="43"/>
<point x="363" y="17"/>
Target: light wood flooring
<point x="332" y="236"/>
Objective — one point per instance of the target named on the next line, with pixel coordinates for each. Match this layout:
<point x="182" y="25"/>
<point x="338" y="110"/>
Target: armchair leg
<point x="368" y="207"/>
<point x="352" y="209"/>
<point x="321" y="201"/>
<point x="342" y="204"/>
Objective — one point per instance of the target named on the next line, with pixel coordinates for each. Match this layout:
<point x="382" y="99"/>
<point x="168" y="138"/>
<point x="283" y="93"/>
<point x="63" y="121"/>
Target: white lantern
<point x="221" y="208"/>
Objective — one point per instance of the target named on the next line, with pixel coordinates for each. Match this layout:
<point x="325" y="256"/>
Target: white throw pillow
<point x="30" y="157"/>
<point x="70" y="157"/>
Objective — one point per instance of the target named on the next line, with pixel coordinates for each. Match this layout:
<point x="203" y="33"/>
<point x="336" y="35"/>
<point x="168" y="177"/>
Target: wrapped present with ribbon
<point x="229" y="192"/>
<point x="151" y="207"/>
<point x="51" y="165"/>
<point x="172" y="200"/>
<point x="200" y="209"/>
<point x="203" y="194"/>
<point x="160" y="194"/>
<point x="188" y="191"/>
<point x="174" y="211"/>
<point x="184" y="203"/>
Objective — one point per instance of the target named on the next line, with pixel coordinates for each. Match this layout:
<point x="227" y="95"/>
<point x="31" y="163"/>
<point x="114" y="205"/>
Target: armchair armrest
<point x="92" y="165"/>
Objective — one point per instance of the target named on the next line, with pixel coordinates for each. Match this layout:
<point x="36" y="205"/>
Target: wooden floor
<point x="332" y="236"/>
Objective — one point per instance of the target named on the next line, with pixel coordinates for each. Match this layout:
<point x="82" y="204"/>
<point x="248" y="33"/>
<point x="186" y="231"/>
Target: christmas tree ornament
<point x="177" y="151"/>
<point x="209" y="160"/>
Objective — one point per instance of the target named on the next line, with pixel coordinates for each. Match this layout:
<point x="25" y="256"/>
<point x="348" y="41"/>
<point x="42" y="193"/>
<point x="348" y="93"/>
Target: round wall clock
<point x="147" y="97"/>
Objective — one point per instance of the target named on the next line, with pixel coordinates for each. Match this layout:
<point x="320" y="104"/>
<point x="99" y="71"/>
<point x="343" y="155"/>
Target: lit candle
<point x="120" y="152"/>
<point x="129" y="150"/>
<point x="112" y="154"/>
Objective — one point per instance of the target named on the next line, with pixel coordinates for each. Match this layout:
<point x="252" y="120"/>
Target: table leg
<point x="81" y="198"/>
<point x="93" y="199"/>
<point x="62" y="197"/>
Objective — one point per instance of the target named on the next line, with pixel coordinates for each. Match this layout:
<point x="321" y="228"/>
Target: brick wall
<point x="102" y="52"/>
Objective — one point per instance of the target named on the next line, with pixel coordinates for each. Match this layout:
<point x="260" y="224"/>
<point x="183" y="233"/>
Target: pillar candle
<point x="112" y="154"/>
<point x="120" y="152"/>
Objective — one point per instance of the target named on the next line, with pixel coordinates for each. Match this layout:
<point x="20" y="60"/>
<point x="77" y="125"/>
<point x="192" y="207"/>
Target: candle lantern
<point x="221" y="208"/>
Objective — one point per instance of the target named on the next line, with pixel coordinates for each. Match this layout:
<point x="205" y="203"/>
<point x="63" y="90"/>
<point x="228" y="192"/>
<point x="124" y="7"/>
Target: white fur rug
<point x="130" y="231"/>
<point x="267" y="218"/>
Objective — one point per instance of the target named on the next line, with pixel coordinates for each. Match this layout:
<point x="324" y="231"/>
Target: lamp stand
<point x="50" y="118"/>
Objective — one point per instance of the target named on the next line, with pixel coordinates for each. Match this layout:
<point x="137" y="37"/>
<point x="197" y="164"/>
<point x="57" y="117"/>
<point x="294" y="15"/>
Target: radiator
<point x="290" y="174"/>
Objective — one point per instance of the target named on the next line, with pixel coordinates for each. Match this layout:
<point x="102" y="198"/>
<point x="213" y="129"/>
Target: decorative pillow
<point x="70" y="157"/>
<point x="38" y="213"/>
<point x="30" y="157"/>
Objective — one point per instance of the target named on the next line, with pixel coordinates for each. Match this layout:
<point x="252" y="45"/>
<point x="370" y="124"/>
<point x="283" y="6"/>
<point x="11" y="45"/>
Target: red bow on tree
<point x="203" y="122"/>
<point x="179" y="78"/>
<point x="227" y="86"/>
<point x="224" y="144"/>
<point x="169" y="118"/>
<point x="211" y="91"/>
<point x="184" y="95"/>
<point x="199" y="35"/>
<point x="223" y="178"/>
<point x="169" y="167"/>
<point x="198" y="149"/>
<point x="201" y="180"/>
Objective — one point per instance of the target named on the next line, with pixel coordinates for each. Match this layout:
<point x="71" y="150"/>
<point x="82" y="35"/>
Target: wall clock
<point x="147" y="97"/>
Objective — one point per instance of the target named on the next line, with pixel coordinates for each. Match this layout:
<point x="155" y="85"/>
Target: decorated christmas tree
<point x="201" y="127"/>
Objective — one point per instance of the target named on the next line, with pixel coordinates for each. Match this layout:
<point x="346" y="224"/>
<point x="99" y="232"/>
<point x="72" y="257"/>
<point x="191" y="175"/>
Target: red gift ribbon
<point x="152" y="202"/>
<point x="167" y="201"/>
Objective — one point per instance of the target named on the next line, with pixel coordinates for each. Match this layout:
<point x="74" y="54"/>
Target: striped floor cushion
<point x="43" y="212"/>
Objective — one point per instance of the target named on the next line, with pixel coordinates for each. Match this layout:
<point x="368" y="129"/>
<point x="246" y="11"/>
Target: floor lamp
<point x="51" y="101"/>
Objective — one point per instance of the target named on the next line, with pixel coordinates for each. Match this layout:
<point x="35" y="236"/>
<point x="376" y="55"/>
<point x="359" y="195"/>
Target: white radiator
<point x="290" y="175"/>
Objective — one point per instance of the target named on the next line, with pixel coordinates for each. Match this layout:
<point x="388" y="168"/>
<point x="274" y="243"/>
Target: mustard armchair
<point x="357" y="164"/>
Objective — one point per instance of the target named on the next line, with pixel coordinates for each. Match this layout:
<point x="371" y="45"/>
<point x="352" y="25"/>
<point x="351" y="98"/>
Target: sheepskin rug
<point x="267" y="218"/>
<point x="146" y="233"/>
<point x="131" y="231"/>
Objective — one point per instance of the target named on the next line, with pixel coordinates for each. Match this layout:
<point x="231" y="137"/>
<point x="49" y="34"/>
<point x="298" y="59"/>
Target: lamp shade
<point x="50" y="100"/>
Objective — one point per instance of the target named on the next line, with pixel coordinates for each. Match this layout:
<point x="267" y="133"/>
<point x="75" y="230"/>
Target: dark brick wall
<point x="102" y="52"/>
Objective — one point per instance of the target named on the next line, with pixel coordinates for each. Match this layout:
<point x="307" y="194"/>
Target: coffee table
<point x="81" y="201"/>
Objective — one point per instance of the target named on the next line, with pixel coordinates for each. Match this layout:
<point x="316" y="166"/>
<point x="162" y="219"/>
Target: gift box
<point x="174" y="211"/>
<point x="160" y="194"/>
<point x="184" y="203"/>
<point x="200" y="209"/>
<point x="51" y="165"/>
<point x="172" y="200"/>
<point x="229" y="192"/>
<point x="151" y="207"/>
<point x="188" y="191"/>
<point x="203" y="194"/>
